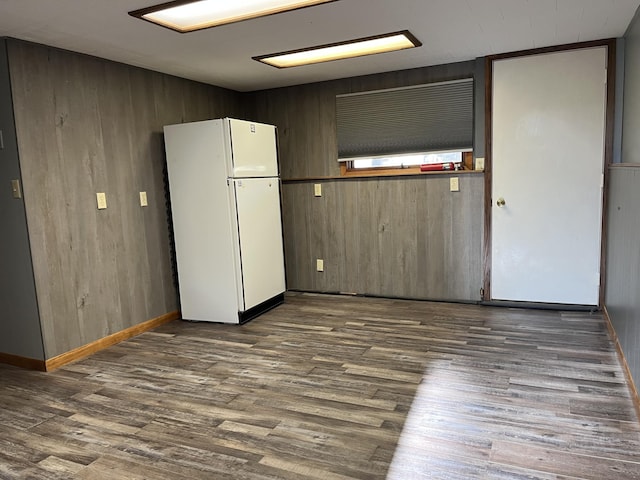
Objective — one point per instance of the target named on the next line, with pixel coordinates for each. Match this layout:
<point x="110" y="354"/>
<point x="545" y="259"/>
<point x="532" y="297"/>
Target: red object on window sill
<point x="435" y="167"/>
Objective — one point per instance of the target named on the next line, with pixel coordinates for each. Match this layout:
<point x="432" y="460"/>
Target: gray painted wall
<point x="631" y="116"/>
<point x="20" y="323"/>
<point x="619" y="101"/>
<point x="622" y="296"/>
<point x="401" y="237"/>
<point x="623" y="262"/>
<point x="86" y="125"/>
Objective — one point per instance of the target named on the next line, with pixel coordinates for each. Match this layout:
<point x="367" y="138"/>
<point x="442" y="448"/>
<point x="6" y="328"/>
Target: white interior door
<point x="260" y="232"/>
<point x="547" y="165"/>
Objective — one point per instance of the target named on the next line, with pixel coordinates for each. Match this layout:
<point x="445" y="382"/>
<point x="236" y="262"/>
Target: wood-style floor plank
<point x="334" y="388"/>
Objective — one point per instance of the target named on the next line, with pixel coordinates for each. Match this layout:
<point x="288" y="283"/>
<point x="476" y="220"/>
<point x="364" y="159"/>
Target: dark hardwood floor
<point x="331" y="388"/>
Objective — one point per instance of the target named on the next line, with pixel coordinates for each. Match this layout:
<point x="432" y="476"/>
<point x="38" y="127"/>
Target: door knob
<point x="501" y="202"/>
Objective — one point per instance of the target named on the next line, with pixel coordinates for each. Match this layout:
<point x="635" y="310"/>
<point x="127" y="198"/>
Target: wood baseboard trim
<point x="93" y="347"/>
<point x="23" y="362"/>
<point x="623" y="361"/>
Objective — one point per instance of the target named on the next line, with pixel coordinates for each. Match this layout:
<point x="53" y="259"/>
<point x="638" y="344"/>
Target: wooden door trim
<point x="488" y="173"/>
<point x="608" y="161"/>
<point x="610" y="44"/>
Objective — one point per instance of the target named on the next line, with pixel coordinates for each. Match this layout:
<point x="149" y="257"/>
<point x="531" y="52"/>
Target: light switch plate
<point x="320" y="265"/>
<point x="143" y="199"/>
<point x="479" y="163"/>
<point x="317" y="189"/>
<point x="101" y="198"/>
<point x="454" y="184"/>
<point x="15" y="189"/>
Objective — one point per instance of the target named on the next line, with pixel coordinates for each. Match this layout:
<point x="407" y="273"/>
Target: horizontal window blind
<point x="431" y="117"/>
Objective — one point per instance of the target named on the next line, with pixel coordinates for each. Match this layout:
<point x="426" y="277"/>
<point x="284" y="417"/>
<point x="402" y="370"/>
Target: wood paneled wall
<point x="402" y="237"/>
<point x="20" y="325"/>
<point x="623" y="261"/>
<point x="87" y="125"/>
<point x="398" y="237"/>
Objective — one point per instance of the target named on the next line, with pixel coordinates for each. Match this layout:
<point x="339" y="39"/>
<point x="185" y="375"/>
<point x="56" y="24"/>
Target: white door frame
<point x="608" y="153"/>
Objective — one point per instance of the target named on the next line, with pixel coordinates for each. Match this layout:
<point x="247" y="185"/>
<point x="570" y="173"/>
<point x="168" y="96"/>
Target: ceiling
<point x="450" y="30"/>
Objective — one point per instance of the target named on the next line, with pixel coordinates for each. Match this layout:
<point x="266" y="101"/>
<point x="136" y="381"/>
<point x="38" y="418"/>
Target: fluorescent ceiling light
<point x="189" y="15"/>
<point x="389" y="42"/>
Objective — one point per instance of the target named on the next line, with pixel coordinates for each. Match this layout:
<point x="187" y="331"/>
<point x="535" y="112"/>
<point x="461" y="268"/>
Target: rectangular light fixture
<point x="388" y="42"/>
<point x="190" y="15"/>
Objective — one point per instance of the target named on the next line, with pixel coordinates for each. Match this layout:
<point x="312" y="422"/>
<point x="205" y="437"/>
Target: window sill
<point x="385" y="173"/>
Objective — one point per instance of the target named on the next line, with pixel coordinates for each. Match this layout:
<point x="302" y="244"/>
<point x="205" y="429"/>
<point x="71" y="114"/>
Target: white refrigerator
<point x="224" y="191"/>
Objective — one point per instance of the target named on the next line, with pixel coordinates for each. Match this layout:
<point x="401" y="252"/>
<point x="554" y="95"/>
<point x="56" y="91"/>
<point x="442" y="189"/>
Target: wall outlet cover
<point x="479" y="165"/>
<point x="15" y="189"/>
<point x="317" y="189"/>
<point x="454" y="184"/>
<point x="101" y="198"/>
<point x="143" y="199"/>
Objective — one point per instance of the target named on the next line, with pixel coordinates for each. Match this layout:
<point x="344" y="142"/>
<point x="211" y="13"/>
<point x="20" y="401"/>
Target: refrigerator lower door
<point x="260" y="240"/>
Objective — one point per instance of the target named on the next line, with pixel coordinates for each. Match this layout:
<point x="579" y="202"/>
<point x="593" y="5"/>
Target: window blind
<point x="422" y="118"/>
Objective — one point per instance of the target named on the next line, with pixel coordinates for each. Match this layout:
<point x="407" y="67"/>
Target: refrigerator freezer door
<point x="260" y="232"/>
<point x="253" y="149"/>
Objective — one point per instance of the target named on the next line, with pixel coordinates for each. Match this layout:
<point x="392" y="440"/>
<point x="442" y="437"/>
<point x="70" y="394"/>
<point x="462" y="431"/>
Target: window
<point x="406" y="128"/>
<point x="407" y="164"/>
<point x="409" y="160"/>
